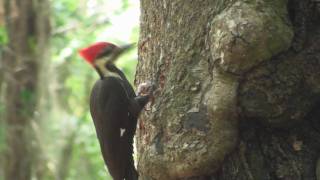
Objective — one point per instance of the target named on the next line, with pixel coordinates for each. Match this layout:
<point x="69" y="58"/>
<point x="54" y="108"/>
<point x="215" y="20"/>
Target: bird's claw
<point x="146" y="89"/>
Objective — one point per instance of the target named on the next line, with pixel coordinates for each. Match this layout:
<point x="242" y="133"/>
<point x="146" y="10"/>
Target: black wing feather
<point x="109" y="109"/>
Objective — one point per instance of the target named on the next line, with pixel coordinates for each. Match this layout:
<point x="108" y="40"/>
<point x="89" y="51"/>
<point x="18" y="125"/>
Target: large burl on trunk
<point x="238" y="89"/>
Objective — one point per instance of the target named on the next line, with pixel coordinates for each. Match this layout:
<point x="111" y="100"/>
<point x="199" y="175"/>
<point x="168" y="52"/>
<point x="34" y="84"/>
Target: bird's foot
<point x="146" y="89"/>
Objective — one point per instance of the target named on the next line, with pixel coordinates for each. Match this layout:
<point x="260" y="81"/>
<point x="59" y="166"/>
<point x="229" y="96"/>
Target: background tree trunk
<point x="27" y="25"/>
<point x="238" y="89"/>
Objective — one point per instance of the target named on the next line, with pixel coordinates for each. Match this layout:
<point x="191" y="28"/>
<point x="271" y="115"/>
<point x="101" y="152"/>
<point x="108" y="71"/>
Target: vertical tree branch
<point x="25" y="48"/>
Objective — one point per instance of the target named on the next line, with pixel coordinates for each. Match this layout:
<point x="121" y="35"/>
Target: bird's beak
<point x="126" y="47"/>
<point x="119" y="51"/>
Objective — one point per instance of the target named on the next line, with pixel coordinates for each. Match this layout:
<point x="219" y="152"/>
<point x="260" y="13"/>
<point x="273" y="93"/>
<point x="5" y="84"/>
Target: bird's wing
<point x="109" y="110"/>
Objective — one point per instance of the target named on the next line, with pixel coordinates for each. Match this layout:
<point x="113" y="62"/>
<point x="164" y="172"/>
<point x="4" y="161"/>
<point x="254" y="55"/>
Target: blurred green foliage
<point x="67" y="136"/>
<point x="77" y="24"/>
<point x="3" y="41"/>
<point x="3" y="35"/>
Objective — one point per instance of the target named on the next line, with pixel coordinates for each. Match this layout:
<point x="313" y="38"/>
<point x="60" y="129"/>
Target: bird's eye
<point x="106" y="51"/>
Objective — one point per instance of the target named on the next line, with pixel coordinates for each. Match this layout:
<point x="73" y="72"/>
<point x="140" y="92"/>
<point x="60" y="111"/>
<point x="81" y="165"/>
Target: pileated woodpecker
<point x="114" y="108"/>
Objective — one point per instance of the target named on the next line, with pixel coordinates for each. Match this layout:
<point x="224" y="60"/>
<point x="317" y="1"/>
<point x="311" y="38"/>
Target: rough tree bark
<point x="238" y="89"/>
<point x="27" y="24"/>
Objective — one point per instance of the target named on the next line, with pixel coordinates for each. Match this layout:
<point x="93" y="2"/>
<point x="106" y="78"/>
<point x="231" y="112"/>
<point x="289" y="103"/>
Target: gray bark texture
<point x="238" y="88"/>
<point x="27" y="24"/>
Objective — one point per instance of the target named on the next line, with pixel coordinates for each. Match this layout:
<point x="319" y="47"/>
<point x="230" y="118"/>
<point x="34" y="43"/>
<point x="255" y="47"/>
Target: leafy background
<point x="70" y="149"/>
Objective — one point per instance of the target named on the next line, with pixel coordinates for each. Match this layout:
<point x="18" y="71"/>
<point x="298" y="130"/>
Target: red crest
<point x="91" y="52"/>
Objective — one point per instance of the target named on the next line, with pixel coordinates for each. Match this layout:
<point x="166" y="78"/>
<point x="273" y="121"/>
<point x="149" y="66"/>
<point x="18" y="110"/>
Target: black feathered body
<point x="110" y="103"/>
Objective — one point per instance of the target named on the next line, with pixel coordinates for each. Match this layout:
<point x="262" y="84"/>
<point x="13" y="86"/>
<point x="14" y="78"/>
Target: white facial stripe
<point x="101" y="65"/>
<point x="122" y="131"/>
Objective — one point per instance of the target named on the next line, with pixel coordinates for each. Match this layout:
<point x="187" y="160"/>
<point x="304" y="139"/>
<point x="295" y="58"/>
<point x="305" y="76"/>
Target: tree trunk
<point x="27" y="25"/>
<point x="238" y="89"/>
<point x="65" y="158"/>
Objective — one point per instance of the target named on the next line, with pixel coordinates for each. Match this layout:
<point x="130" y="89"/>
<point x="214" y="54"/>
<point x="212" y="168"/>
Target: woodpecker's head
<point x="102" y="55"/>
